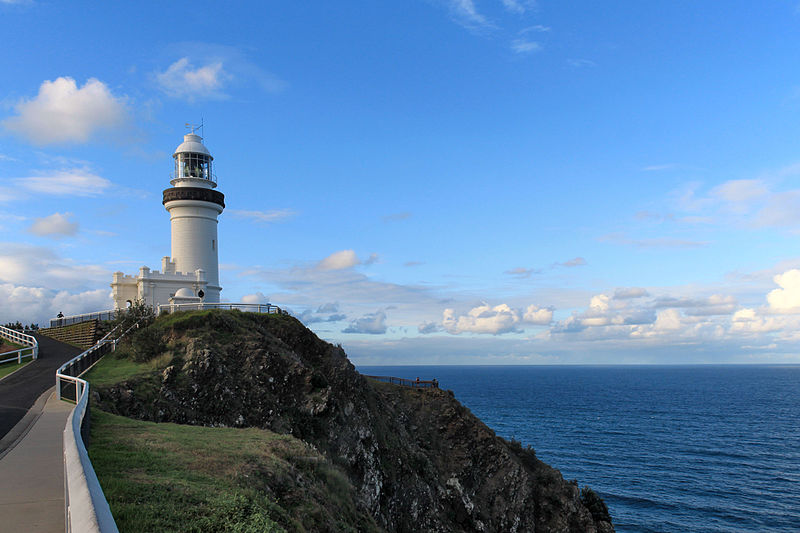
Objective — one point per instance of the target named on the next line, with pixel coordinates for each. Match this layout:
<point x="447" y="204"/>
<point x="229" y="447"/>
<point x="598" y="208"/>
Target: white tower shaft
<point x="193" y="207"/>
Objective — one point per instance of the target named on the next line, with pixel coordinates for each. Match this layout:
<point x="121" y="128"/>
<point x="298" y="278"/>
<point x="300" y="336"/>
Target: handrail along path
<point x="86" y="508"/>
<point x="31" y="345"/>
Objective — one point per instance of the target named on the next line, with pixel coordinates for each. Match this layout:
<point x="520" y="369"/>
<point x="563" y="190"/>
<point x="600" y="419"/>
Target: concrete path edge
<point x="21" y="428"/>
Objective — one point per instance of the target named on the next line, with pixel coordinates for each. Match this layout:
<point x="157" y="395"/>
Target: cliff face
<point x="418" y="459"/>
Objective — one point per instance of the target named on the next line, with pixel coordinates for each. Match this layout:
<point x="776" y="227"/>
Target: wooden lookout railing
<point x="415" y="383"/>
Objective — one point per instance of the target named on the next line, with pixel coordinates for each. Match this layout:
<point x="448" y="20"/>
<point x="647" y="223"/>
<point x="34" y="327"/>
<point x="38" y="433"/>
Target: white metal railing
<point x="86" y="508"/>
<point x="200" y="306"/>
<point x="108" y="314"/>
<point x="31" y="349"/>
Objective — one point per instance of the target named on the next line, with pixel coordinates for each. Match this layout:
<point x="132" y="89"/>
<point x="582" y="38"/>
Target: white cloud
<point x="38" y="266"/>
<point x="537" y="315"/>
<point x="73" y="182"/>
<point x="585" y="63"/>
<point x="64" y="113"/>
<point x="780" y="210"/>
<point x="255" y="298"/>
<point x="522" y="273"/>
<point x="274" y="215"/>
<point x="330" y="307"/>
<point x="339" y="261"/>
<point x="394" y="217"/>
<point x="738" y="192"/>
<point x="482" y="319"/>
<point x="466" y="13"/>
<point x="518" y="6"/>
<point x="626" y="293"/>
<point x="787" y="296"/>
<point x="372" y="323"/>
<point x="574" y="262"/>
<point x="212" y="72"/>
<point x="525" y="46"/>
<point x="182" y="80"/>
<point x="657" y="242"/>
<point x="55" y="225"/>
<point x="427" y="328"/>
<point x="38" y="304"/>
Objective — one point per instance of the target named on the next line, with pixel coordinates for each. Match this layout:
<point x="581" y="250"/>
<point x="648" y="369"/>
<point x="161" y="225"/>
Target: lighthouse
<point x="194" y="205"/>
<point x="190" y="274"/>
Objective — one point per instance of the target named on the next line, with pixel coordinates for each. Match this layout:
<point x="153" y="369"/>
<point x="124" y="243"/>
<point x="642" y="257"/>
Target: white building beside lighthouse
<point x="191" y="273"/>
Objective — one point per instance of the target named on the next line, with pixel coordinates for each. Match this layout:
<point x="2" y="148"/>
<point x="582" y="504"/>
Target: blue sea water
<point x="669" y="448"/>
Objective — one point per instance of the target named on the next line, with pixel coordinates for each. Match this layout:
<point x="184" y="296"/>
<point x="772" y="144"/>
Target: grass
<point x="8" y="368"/>
<point x="114" y="368"/>
<point x="12" y="366"/>
<point x="172" y="477"/>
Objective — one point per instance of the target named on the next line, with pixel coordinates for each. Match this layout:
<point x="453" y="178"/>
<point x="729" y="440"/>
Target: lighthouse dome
<point x="192" y="143"/>
<point x="184" y="292"/>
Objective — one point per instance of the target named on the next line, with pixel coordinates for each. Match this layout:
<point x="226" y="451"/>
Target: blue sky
<point x="429" y="181"/>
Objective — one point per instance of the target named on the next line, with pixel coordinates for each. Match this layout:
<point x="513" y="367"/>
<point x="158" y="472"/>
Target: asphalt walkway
<point x="32" y="424"/>
<point x="20" y="390"/>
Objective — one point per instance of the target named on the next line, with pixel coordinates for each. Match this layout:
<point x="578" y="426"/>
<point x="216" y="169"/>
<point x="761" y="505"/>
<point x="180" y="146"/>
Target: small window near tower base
<point x="213" y="244"/>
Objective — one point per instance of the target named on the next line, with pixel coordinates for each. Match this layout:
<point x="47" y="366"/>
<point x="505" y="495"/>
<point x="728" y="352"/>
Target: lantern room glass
<point x="189" y="165"/>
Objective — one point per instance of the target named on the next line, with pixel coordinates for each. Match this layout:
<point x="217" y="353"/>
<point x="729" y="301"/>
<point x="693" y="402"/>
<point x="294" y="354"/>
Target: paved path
<point x="32" y="474"/>
<point x="20" y="390"/>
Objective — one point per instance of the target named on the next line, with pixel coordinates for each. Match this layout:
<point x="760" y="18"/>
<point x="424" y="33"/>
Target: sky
<point x="426" y="181"/>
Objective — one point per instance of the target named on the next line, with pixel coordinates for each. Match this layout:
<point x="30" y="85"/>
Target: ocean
<point x="669" y="448"/>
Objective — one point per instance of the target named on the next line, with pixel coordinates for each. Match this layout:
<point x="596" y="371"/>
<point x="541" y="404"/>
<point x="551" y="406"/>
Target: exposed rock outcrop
<point x="418" y="459"/>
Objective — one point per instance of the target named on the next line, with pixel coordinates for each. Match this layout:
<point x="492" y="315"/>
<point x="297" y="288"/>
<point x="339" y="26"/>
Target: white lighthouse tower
<point x="191" y="273"/>
<point x="193" y="207"/>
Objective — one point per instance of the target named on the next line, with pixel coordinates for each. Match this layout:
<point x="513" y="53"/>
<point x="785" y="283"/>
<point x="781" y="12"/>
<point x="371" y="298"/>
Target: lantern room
<point x="193" y="161"/>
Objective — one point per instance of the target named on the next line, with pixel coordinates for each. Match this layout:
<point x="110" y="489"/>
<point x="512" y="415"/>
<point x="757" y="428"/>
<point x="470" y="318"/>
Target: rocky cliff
<point x="417" y="459"/>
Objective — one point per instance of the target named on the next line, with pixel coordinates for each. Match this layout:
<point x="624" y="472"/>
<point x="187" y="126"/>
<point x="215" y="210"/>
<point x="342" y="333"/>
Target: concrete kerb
<point x="21" y="428"/>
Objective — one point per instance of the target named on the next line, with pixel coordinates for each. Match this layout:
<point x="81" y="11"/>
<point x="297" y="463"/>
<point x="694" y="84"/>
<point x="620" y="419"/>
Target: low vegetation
<point x="174" y="477"/>
<point x="12" y="366"/>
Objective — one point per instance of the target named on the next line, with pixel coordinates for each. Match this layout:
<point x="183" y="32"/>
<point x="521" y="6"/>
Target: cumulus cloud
<point x="64" y="113"/>
<point x="255" y="298"/>
<point x="37" y="266"/>
<point x="749" y="321"/>
<point x="481" y="319"/>
<point x="329" y="307"/>
<point x="263" y="217"/>
<point x="73" y="182"/>
<point x="538" y="315"/>
<point x="339" y="260"/>
<point x="31" y="304"/>
<point x="212" y="72"/>
<point x="787" y="296"/>
<point x="56" y="225"/>
<point x="371" y="323"/>
<point x="183" y="80"/>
